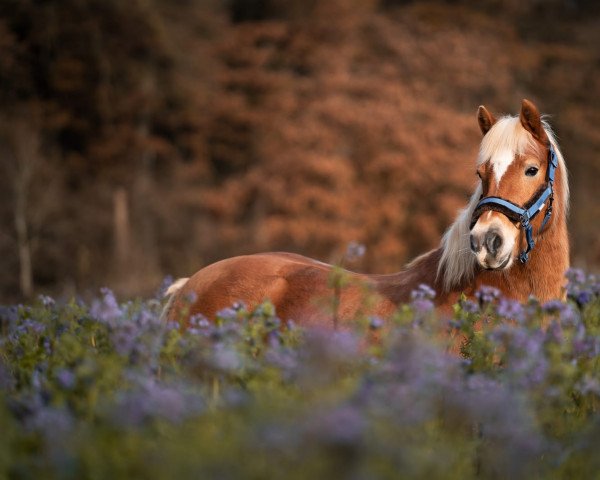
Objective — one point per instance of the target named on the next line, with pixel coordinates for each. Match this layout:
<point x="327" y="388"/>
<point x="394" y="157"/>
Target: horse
<point x="500" y="239"/>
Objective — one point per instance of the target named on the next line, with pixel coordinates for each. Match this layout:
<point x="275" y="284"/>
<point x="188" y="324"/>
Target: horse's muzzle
<point x="487" y="246"/>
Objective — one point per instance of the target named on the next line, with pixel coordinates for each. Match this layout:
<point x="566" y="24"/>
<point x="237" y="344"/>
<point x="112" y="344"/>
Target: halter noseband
<point x="524" y="215"/>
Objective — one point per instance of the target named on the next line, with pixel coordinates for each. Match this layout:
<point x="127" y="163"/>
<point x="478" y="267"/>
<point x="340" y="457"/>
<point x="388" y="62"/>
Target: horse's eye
<point x="478" y="174"/>
<point x="531" y="171"/>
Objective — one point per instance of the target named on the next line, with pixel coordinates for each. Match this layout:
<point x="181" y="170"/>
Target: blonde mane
<point x="504" y="140"/>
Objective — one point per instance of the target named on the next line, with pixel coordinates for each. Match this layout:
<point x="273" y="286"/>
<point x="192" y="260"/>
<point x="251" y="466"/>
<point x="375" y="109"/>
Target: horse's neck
<point x="397" y="287"/>
<point x="542" y="276"/>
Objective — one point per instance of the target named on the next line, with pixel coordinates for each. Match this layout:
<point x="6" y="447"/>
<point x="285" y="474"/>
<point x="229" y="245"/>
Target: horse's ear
<point x="485" y="118"/>
<point x="531" y="119"/>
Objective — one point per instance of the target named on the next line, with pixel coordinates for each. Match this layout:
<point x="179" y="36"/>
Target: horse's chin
<point x="497" y="266"/>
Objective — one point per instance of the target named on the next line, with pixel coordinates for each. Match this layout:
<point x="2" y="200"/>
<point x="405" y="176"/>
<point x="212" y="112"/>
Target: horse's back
<point x="288" y="280"/>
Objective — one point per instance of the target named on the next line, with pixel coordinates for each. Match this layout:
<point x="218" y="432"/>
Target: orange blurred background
<point x="146" y="138"/>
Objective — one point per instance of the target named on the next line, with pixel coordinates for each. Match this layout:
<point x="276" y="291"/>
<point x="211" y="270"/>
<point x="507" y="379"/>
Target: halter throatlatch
<point x="524" y="215"/>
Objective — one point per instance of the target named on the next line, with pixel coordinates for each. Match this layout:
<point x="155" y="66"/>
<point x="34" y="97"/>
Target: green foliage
<point x="108" y="391"/>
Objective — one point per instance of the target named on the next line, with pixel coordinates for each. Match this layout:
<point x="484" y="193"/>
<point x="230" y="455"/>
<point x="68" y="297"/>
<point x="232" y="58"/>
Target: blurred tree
<point x="32" y="195"/>
<point x="172" y="133"/>
<point x="102" y="75"/>
<point x="20" y="158"/>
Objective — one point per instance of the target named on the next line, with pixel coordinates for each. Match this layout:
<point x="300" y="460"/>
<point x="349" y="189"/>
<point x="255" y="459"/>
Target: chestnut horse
<point x="512" y="235"/>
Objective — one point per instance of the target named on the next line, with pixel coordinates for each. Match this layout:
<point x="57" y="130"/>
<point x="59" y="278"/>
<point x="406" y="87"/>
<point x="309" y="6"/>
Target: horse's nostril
<point x="497" y="242"/>
<point x="475" y="246"/>
<point x="493" y="242"/>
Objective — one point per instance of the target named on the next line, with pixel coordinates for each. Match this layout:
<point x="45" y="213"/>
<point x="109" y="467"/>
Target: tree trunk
<point x="121" y="229"/>
<point x="22" y="230"/>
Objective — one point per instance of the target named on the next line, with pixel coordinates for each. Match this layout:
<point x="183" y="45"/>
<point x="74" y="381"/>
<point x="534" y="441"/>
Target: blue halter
<point x="524" y="215"/>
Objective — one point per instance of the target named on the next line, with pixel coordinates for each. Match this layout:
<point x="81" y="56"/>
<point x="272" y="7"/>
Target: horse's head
<point x="513" y="168"/>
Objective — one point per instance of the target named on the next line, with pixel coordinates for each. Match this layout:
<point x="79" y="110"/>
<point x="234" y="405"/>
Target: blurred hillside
<point x="145" y="138"/>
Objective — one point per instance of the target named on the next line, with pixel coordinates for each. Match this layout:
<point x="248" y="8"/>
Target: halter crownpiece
<point x="524" y="215"/>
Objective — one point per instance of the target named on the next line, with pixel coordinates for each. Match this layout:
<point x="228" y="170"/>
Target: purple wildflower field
<point x="107" y="390"/>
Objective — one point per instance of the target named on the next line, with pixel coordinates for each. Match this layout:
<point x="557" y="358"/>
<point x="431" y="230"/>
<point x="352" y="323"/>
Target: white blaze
<point x="500" y="162"/>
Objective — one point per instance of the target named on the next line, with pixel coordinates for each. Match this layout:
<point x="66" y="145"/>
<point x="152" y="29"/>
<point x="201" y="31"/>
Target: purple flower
<point x="423" y="292"/>
<point x="580" y="289"/>
<point x="7" y="381"/>
<point x="586" y="346"/>
<point x="31" y="326"/>
<point x="164" y="285"/>
<point x="38" y="379"/>
<point x="354" y="251"/>
<point x="554" y="333"/>
<point x="584" y="297"/>
<point x="375" y="323"/>
<point x="227" y="314"/>
<point x="329" y="349"/>
<point x="165" y="402"/>
<point x="107" y="309"/>
<point x="46" y="301"/>
<point x="487" y="294"/>
<point x="47" y="346"/>
<point x="510" y="309"/>
<point x="235" y="398"/>
<point x="525" y="360"/>
<point x="284" y="359"/>
<point x="575" y="276"/>
<point x="422" y="305"/>
<point x="238" y="306"/>
<point x="589" y="384"/>
<point x="145" y="319"/>
<point x="8" y="315"/>
<point x="553" y="306"/>
<point x="456" y="324"/>
<point x="153" y="401"/>
<point x="342" y="426"/>
<point x="66" y="378"/>
<point x="290" y="324"/>
<point x="124" y="341"/>
<point x="595" y="285"/>
<point x="469" y="306"/>
<point x="568" y="315"/>
<point x="226" y="358"/>
<point x="50" y="421"/>
<point x="190" y="298"/>
<point x="199" y="321"/>
<point x="172" y="326"/>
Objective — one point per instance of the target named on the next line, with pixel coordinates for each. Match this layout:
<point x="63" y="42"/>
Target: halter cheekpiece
<point x="524" y="215"/>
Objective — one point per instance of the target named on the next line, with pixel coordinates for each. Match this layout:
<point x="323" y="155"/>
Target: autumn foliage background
<point x="145" y="138"/>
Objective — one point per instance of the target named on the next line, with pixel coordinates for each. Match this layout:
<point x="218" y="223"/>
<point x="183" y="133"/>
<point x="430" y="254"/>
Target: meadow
<point x="104" y="389"/>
